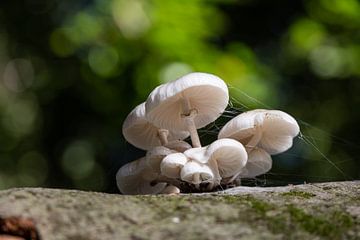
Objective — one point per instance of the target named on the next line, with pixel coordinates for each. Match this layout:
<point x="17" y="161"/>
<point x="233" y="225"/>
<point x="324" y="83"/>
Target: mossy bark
<point x="309" y="211"/>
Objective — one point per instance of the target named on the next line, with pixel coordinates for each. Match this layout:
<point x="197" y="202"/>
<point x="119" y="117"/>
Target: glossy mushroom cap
<point x="172" y="164"/>
<point x="178" y="145"/>
<point x="275" y="129"/>
<point x="155" y="156"/>
<point x="196" y="173"/>
<point x="206" y="93"/>
<point x="136" y="177"/>
<point x="259" y="162"/>
<point x="229" y="154"/>
<point x="141" y="133"/>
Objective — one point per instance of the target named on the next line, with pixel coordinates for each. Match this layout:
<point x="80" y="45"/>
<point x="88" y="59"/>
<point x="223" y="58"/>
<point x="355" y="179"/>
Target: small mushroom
<point x="259" y="162"/>
<point x="225" y="157"/>
<point x="137" y="178"/>
<point x="271" y="130"/>
<point x="171" y="190"/>
<point x="172" y="164"/>
<point x="143" y="134"/>
<point x="196" y="173"/>
<point x="188" y="103"/>
<point x="155" y="156"/>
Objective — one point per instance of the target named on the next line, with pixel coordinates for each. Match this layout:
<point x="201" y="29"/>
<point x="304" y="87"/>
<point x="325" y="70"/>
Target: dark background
<point x="70" y="72"/>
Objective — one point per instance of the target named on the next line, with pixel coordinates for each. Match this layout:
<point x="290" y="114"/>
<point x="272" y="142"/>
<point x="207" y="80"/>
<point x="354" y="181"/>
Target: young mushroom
<point x="225" y="157"/>
<point x="172" y="164"/>
<point x="188" y="103"/>
<point x="259" y="162"/>
<point x="137" y="178"/>
<point x="196" y="173"/>
<point x="171" y="190"/>
<point x="143" y="134"/>
<point x="271" y="130"/>
<point x="155" y="156"/>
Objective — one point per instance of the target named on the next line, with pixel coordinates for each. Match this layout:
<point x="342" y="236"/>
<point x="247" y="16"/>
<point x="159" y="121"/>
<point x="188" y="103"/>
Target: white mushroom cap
<point x="135" y="178"/>
<point x="230" y="156"/>
<point x="259" y="162"/>
<point x="197" y="154"/>
<point x="155" y="156"/>
<point x="141" y="133"/>
<point x="204" y="92"/>
<point x="196" y="173"/>
<point x="272" y="130"/>
<point x="172" y="164"/>
<point x="178" y="145"/>
<point x="171" y="190"/>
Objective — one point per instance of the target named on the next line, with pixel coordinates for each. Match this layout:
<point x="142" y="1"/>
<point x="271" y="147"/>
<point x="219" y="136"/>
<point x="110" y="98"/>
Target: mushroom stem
<point x="163" y="136"/>
<point x="189" y="115"/>
<point x="233" y="178"/>
<point x="196" y="179"/>
<point x="195" y="140"/>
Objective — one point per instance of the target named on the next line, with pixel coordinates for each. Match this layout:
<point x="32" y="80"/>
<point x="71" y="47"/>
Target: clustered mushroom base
<point x="175" y="110"/>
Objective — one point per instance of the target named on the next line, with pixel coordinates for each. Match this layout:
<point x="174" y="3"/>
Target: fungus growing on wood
<point x="137" y="178"/>
<point x="271" y="130"/>
<point x="188" y="103"/>
<point x="196" y="173"/>
<point x="172" y="164"/>
<point x="143" y="134"/>
<point x="175" y="110"/>
<point x="263" y="132"/>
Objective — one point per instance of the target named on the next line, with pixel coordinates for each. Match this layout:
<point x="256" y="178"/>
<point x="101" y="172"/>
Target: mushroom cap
<point x="155" y="156"/>
<point x="206" y="93"/>
<point x="178" y="145"/>
<point x="171" y="190"/>
<point x="172" y="164"/>
<point x="191" y="169"/>
<point x="229" y="154"/>
<point x="259" y="162"/>
<point x="278" y="129"/>
<point x="141" y="133"/>
<point x="135" y="178"/>
<point x="197" y="154"/>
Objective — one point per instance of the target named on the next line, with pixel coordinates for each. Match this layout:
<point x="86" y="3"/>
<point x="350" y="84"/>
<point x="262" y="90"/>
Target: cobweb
<point x="305" y="162"/>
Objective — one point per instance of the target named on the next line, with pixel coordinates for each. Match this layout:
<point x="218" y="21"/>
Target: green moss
<point x="230" y="209"/>
<point x="331" y="226"/>
<point x="301" y="194"/>
<point x="232" y="199"/>
<point x="259" y="205"/>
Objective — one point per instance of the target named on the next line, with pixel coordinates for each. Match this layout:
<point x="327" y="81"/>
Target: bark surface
<point x="309" y="211"/>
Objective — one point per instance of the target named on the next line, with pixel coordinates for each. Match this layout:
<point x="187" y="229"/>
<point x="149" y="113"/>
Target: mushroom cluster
<point x="173" y="112"/>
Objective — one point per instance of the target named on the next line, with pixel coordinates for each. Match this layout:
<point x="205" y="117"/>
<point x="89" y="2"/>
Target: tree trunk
<point x="309" y="211"/>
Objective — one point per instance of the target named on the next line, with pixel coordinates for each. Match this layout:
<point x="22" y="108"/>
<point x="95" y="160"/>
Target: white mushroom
<point x="196" y="173"/>
<point x="172" y="164"/>
<point x="225" y="157"/>
<point x="178" y="145"/>
<point x="155" y="156"/>
<point x="259" y="162"/>
<point x="271" y="130"/>
<point x="170" y="189"/>
<point x="141" y="133"/>
<point x="188" y="103"/>
<point x="136" y="178"/>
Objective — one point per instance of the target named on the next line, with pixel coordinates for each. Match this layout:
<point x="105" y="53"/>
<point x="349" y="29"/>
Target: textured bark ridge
<point x="310" y="211"/>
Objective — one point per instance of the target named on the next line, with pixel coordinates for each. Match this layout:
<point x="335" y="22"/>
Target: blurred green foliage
<point x="71" y="72"/>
